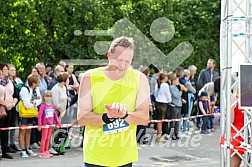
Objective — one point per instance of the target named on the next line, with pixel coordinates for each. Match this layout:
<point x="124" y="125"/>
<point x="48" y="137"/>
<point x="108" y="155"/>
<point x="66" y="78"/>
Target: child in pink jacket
<point x="47" y="115"/>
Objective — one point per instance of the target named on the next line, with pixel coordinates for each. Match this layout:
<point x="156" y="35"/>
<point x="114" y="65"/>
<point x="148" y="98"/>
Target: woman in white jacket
<point x="31" y="97"/>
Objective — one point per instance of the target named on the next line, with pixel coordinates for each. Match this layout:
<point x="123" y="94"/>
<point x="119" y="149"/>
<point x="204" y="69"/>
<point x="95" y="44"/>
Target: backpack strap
<point x="26" y="87"/>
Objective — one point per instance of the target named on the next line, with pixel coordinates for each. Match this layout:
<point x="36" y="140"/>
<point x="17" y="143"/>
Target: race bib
<point x="119" y="125"/>
<point x="49" y="112"/>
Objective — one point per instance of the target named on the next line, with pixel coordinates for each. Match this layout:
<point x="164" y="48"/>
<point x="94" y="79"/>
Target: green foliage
<point x="39" y="30"/>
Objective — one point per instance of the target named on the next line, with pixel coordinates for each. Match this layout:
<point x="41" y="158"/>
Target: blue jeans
<point x="185" y="122"/>
<point x="70" y="112"/>
<point x="210" y="122"/>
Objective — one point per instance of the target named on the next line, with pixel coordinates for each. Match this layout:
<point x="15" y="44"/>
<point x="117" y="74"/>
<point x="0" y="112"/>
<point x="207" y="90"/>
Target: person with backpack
<point x="31" y="98"/>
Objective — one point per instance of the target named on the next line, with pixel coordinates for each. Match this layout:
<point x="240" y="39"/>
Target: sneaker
<point x="50" y="155"/>
<point x="34" y="145"/>
<point x="31" y="153"/>
<point x="52" y="151"/>
<point x="44" y="155"/>
<point x="166" y="136"/>
<point x="212" y="130"/>
<point x="24" y="154"/>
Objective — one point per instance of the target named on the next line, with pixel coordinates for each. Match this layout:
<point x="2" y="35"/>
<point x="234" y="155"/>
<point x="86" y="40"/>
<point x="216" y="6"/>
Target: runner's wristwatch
<point x="126" y="115"/>
<point x="106" y="119"/>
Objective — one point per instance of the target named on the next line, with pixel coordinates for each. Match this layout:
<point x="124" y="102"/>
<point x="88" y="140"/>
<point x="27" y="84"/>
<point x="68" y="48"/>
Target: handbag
<point x="2" y="110"/>
<point x="26" y="112"/>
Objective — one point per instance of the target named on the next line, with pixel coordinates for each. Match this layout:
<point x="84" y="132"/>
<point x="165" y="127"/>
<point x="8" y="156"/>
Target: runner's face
<point x="121" y="59"/>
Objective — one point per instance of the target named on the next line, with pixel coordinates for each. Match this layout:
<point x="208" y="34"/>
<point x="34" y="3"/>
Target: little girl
<point x="203" y="106"/>
<point x="47" y="114"/>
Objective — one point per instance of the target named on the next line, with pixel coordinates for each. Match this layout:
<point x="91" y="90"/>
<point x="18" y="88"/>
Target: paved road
<point x="192" y="151"/>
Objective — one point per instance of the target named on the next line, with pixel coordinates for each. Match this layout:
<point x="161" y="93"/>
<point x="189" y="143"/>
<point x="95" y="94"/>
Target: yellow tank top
<point x="120" y="147"/>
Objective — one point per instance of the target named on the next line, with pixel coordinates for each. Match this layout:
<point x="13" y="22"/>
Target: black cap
<point x="49" y="65"/>
<point x="203" y="93"/>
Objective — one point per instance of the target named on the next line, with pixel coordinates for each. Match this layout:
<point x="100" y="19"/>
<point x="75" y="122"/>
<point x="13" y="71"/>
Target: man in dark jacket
<point x="208" y="74"/>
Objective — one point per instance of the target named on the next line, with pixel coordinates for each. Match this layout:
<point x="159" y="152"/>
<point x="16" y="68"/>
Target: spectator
<point x="13" y="77"/>
<point x="63" y="64"/>
<point x="31" y="97"/>
<point x="163" y="98"/>
<point x="58" y="69"/>
<point x="47" y="115"/>
<point x="212" y="89"/>
<point x="8" y="94"/>
<point x="60" y="99"/>
<point x="34" y="70"/>
<point x="207" y="75"/>
<point x="153" y="82"/>
<point x="190" y="97"/>
<point x="193" y="70"/>
<point x="176" y="104"/>
<point x="72" y="87"/>
<point x="43" y="86"/>
<point x="49" y="69"/>
<point x="203" y="107"/>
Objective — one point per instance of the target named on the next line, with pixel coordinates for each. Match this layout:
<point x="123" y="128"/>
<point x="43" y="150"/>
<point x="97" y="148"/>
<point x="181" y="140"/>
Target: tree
<point x="37" y="30"/>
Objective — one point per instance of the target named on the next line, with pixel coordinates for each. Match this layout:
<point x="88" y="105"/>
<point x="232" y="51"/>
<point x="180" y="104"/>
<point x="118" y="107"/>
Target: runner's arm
<point x="141" y="115"/>
<point x="85" y="115"/>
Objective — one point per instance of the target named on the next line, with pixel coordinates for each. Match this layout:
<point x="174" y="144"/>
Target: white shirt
<point x="26" y="96"/>
<point x="162" y="94"/>
<point x="59" y="97"/>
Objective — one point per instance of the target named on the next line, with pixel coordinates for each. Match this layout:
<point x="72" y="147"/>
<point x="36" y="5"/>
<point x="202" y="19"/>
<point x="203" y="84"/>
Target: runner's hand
<point x="116" y="110"/>
<point x="111" y="110"/>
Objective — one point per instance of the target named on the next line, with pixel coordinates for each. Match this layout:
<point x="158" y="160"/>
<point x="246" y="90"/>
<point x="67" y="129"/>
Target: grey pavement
<point x="191" y="151"/>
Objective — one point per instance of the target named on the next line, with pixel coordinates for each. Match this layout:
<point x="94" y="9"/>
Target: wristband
<point x="106" y="119"/>
<point x="126" y="115"/>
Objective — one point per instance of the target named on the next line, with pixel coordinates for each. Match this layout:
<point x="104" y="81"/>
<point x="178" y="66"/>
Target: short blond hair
<point x="126" y="42"/>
